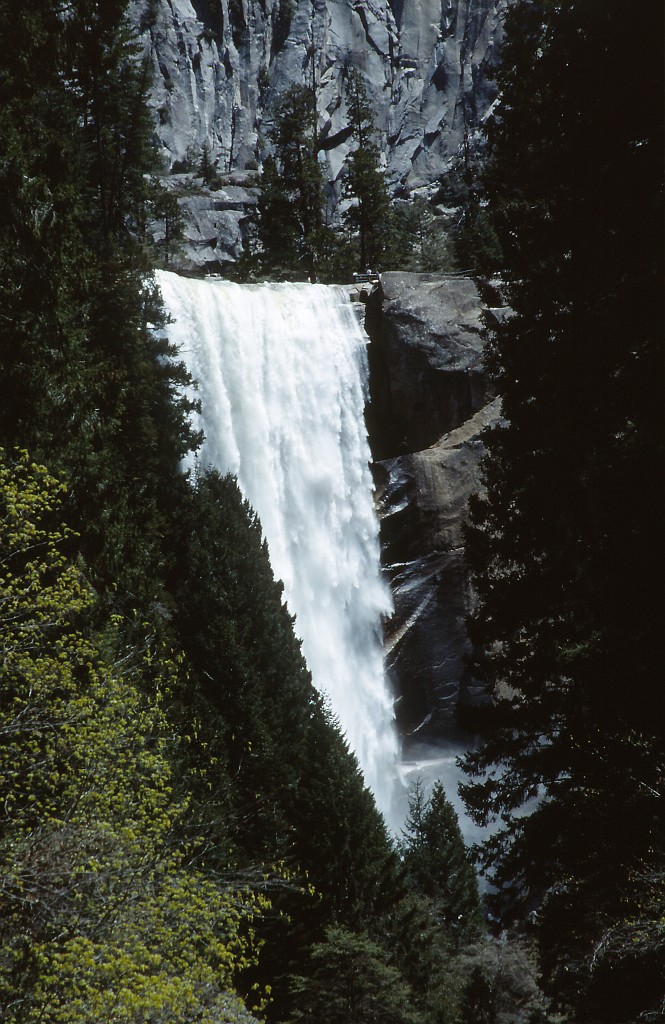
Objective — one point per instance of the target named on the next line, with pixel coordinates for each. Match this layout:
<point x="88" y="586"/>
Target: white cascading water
<point x="282" y="372"/>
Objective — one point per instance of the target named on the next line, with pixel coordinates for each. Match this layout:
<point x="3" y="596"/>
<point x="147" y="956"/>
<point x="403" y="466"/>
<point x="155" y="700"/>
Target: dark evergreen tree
<point x="471" y="234"/>
<point x="165" y="208"/>
<point x="207" y="169"/>
<point x="108" y="81"/>
<point x="90" y="385"/>
<point x="478" y="1002"/>
<point x="420" y="238"/>
<point x="438" y="866"/>
<point x="364" y="180"/>
<point x="277" y="228"/>
<point x="238" y="636"/>
<point x="566" y="546"/>
<point x="291" y="225"/>
<point x="351" y="981"/>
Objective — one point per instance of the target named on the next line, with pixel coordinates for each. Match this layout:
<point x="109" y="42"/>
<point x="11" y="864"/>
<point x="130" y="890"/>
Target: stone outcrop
<point x="219" y="65"/>
<point x="427" y="374"/>
<point x="422" y="503"/>
<point x="430" y="403"/>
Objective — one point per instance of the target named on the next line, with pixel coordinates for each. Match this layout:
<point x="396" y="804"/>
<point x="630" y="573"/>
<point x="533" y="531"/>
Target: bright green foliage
<point x="351" y="981"/>
<point x="364" y="180"/>
<point x="437" y="864"/>
<point x="566" y="546"/>
<point x="88" y="384"/>
<point x="103" y="917"/>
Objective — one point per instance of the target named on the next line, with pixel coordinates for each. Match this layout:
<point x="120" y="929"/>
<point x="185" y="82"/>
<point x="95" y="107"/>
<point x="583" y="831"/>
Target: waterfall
<point x="282" y="372"/>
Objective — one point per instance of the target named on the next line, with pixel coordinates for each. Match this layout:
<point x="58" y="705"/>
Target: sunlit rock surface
<point x="218" y="66"/>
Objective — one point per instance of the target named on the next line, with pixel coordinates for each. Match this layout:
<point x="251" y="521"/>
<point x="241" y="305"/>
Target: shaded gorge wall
<point x="430" y="401"/>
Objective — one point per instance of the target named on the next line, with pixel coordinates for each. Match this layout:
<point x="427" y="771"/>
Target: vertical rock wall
<point x="220" y="63"/>
<point x="430" y="402"/>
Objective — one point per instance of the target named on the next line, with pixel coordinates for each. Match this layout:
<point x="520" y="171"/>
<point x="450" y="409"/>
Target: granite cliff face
<point x="219" y="65"/>
<point x="427" y="375"/>
<point x="430" y="402"/>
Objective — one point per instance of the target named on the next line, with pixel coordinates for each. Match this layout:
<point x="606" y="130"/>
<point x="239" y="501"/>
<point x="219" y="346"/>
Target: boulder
<point x="426" y="368"/>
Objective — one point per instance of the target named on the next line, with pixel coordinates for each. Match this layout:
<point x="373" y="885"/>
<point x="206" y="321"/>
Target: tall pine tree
<point x="291" y="228"/>
<point x="89" y="384"/>
<point x="566" y="546"/>
<point x="364" y="181"/>
<point x="437" y="864"/>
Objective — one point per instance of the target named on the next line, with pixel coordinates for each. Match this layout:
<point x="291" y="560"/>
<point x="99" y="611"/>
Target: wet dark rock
<point x="425" y="353"/>
<point x="431" y="401"/>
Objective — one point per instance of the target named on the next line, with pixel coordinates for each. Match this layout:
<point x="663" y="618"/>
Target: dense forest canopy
<point x="566" y="545"/>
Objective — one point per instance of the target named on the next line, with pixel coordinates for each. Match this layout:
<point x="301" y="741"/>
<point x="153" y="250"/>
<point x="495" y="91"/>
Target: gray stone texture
<point x="213" y="222"/>
<point x="427" y="373"/>
<point x="430" y="403"/>
<point x="219" y="65"/>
